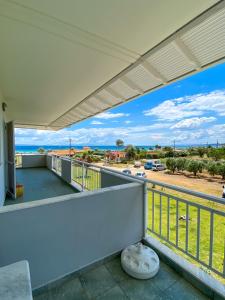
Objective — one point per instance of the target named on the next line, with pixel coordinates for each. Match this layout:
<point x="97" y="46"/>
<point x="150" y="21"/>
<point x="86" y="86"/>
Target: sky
<point x="189" y="111"/>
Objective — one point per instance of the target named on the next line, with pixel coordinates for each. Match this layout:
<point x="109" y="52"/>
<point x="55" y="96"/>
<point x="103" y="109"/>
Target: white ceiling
<point x="61" y="61"/>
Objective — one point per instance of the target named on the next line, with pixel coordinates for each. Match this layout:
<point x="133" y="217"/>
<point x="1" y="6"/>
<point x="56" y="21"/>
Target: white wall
<point x="33" y="161"/>
<point x="2" y="157"/>
<point x="61" y="235"/>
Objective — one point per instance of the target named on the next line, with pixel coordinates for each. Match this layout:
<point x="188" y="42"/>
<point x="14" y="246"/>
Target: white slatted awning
<point x="195" y="46"/>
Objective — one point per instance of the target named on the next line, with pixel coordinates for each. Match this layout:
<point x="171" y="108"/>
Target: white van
<point x="158" y="167"/>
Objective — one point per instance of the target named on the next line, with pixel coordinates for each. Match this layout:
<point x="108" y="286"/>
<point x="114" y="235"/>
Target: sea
<point x="34" y="149"/>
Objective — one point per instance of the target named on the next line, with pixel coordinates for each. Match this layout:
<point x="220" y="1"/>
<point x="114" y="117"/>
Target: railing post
<point x="145" y="217"/>
<point x="71" y="170"/>
<point x="82" y="176"/>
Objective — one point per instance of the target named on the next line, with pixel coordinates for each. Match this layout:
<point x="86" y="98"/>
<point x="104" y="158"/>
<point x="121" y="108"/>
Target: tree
<point x="171" y="164"/>
<point x="212" y="168"/>
<point x="130" y="152"/>
<point x="169" y="152"/>
<point x="216" y="153"/>
<point x="201" y="151"/>
<point x="192" y="151"/>
<point x="119" y="143"/>
<point x="193" y="167"/>
<point x="41" y="150"/>
<point x="143" y="153"/>
<point x="201" y="166"/>
<point x="167" y="149"/>
<point x="180" y="164"/>
<point x="221" y="170"/>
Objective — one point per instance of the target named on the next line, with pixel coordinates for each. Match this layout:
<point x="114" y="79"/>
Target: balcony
<point x="74" y="239"/>
<point x="39" y="183"/>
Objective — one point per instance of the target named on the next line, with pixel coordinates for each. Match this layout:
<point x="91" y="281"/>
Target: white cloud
<point x="217" y="132"/>
<point x="139" y="135"/>
<point x="192" y="123"/>
<point x="96" y="123"/>
<point x="127" y="122"/>
<point x="158" y="136"/>
<point x="160" y="125"/>
<point x="82" y="136"/>
<point x="109" y="115"/>
<point x="190" y="137"/>
<point x="189" y="106"/>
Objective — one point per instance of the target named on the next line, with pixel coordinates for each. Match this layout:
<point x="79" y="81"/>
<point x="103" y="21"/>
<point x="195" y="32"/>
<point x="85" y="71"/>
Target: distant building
<point x="66" y="152"/>
<point x="86" y="148"/>
<point x="115" y="155"/>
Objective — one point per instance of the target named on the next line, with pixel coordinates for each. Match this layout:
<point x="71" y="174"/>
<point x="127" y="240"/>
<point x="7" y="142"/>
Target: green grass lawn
<point x="18" y="161"/>
<point x="204" y="245"/>
<point x="92" y="177"/>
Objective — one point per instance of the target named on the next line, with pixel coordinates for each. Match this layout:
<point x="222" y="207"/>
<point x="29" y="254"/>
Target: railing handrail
<point x="159" y="183"/>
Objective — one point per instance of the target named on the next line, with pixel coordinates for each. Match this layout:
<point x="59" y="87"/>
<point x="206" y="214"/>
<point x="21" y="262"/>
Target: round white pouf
<point x="140" y="261"/>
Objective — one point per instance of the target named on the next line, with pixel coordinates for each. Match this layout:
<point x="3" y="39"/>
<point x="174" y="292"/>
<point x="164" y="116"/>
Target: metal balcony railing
<point x="18" y="160"/>
<point x="192" y="222"/>
<point x="86" y="175"/>
<point x="57" y="164"/>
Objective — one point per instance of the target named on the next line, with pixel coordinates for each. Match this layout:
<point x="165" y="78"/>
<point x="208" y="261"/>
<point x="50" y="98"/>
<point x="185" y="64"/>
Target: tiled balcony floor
<point x="39" y="183"/>
<point x="108" y="281"/>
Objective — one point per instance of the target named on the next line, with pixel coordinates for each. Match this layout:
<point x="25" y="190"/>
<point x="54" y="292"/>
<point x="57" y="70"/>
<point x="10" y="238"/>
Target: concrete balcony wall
<point x="33" y="161"/>
<point x="49" y="162"/>
<point x="111" y="179"/>
<point x="66" y="170"/>
<point x="60" y="235"/>
<point x="3" y="171"/>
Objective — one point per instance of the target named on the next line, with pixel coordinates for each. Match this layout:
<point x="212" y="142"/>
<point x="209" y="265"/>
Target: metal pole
<point x="145" y="209"/>
<point x="82" y="177"/>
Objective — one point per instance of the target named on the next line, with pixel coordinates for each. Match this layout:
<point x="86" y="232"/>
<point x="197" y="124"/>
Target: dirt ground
<point x="203" y="183"/>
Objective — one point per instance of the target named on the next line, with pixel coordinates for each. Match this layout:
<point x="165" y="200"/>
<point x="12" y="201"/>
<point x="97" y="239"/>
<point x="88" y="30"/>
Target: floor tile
<point x="114" y="267"/>
<point x="113" y="294"/>
<point x="96" y="282"/>
<point x="43" y="296"/>
<point x="70" y="290"/>
<point x="185" y="291"/>
<point x="140" y="289"/>
<point x="165" y="277"/>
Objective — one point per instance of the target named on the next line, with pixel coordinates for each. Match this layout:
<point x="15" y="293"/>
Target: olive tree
<point x="180" y="164"/>
<point x="193" y="167"/>
<point x="221" y="170"/>
<point x="212" y="168"/>
<point x="171" y="164"/>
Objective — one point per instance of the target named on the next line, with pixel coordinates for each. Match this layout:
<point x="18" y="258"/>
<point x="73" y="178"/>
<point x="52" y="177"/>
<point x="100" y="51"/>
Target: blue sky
<point x="190" y="111"/>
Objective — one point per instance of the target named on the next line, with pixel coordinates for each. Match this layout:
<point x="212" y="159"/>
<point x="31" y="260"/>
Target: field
<point x="91" y="179"/>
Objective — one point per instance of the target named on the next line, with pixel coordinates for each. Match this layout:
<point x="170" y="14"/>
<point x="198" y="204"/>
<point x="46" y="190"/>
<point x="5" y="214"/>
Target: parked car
<point x="126" y="171"/>
<point x="148" y="165"/>
<point x="141" y="174"/>
<point x="137" y="164"/>
<point x="158" y="167"/>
